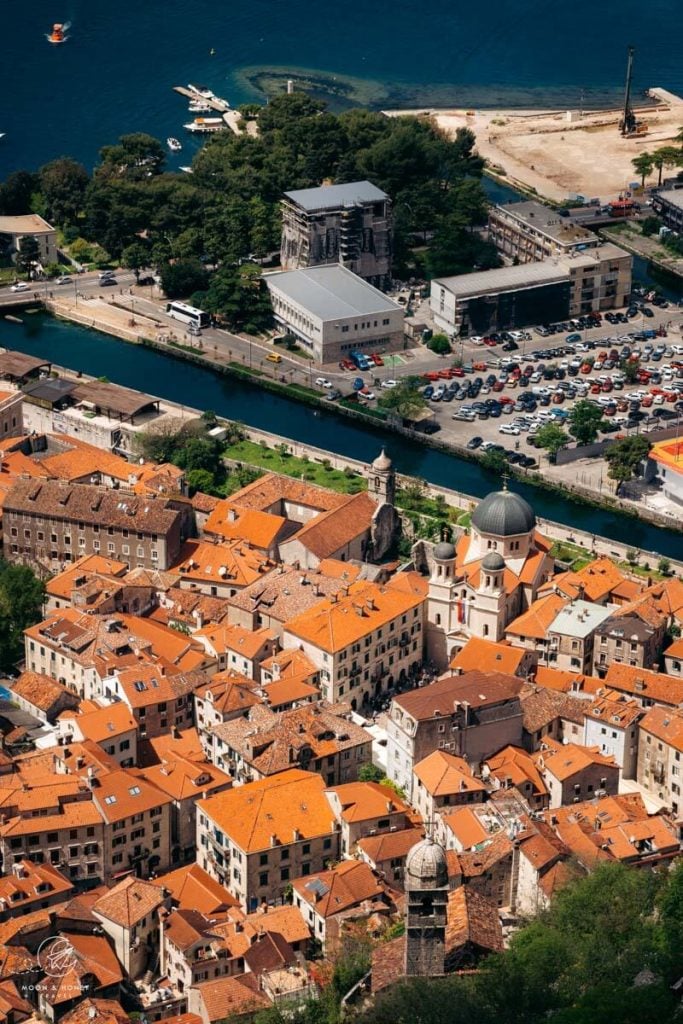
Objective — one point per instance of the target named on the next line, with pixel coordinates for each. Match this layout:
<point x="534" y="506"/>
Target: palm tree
<point x="643" y="164"/>
<point x="666" y="156"/>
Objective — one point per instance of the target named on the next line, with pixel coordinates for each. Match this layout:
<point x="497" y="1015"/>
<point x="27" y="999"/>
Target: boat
<point x="201" y="90"/>
<point x="186" y="170"/>
<point x="199" y="107"/>
<point x="58" y="34"/>
<point x="173" y="144"/>
<point x="205" y="125"/>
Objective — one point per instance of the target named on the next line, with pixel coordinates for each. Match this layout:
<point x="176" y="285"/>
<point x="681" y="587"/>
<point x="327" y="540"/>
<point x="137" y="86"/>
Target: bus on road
<point x="196" y="318"/>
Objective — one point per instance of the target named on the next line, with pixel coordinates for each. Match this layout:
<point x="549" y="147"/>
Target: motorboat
<point x="173" y="144"/>
<point x="205" y="125"/>
<point x="199" y="107"/>
<point x="58" y="34"/>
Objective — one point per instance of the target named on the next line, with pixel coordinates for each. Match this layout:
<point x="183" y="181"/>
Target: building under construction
<point x="348" y="224"/>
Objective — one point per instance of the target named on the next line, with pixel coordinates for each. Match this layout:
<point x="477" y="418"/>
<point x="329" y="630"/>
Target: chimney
<point x="370" y="602"/>
<point x="273" y="841"/>
<point x="390" y="807"/>
<point x="19" y="871"/>
<point x="232" y="515"/>
<point x="296" y="835"/>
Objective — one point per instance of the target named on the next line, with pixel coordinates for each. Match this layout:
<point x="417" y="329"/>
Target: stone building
<point x="349" y="224"/>
<point x="426" y="887"/>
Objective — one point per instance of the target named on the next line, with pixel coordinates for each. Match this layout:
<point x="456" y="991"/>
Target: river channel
<point x="146" y="370"/>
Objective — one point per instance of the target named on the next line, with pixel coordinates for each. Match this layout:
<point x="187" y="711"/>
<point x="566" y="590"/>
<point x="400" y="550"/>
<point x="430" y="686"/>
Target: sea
<point x="116" y="71"/>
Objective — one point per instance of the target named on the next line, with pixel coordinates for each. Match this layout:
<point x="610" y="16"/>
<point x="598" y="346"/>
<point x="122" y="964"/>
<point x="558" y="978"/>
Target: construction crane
<point x="627" y="125"/>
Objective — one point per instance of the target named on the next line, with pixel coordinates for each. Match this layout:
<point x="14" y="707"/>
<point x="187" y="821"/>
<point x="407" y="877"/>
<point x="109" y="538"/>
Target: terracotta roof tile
<point x="666" y="725"/>
<point x="225" y="998"/>
<point x="360" y="801"/>
<point x="344" y="886"/>
<point x="541" y="707"/>
<point x="389" y="845"/>
<point x="472" y="920"/>
<point x="487" y="656"/>
<point x="480" y="689"/>
<point x="443" y="774"/>
<point x="192" y="888"/>
<point x="41" y="691"/>
<point x="534" y="622"/>
<point x="645" y="684"/>
<point x="129" y="901"/>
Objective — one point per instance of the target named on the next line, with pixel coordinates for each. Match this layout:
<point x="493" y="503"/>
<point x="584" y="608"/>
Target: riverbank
<point x="118" y="322"/>
<point x="629" y="237"/>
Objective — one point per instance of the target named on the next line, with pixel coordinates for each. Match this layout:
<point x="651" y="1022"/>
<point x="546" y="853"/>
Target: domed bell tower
<point x="382" y="480"/>
<point x="426" y="888"/>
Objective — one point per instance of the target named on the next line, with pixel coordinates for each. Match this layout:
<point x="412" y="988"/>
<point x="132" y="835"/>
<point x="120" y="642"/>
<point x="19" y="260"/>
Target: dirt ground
<point x="560" y="157"/>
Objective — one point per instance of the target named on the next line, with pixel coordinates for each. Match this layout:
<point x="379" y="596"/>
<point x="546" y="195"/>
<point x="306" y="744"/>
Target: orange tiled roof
<point x="272" y="491"/>
<point x="41" y="691"/>
<point x="472" y="919"/>
<point x="389" y="845"/>
<point x="335" y="623"/>
<point x="105" y="723"/>
<point x="97" y="1011"/>
<point x="252" y="814"/>
<point x="614" y="709"/>
<point x="26" y="882"/>
<point x="666" y="725"/>
<point x="90" y="956"/>
<point x="594" y="582"/>
<point x="488" y="656"/>
<point x="129" y="901"/>
<point x="564" y="760"/>
<point x="288" y="692"/>
<point x="122" y="794"/>
<point x="331" y="531"/>
<point x="342" y="887"/>
<point x="645" y="684"/>
<point x="222" y="638"/>
<point x="225" y="998"/>
<point x="62" y="585"/>
<point x="360" y="801"/>
<point x="541" y="706"/>
<point x="465" y="825"/>
<point x="675" y="650"/>
<point x="184" y="779"/>
<point x="518" y="767"/>
<point x="443" y="774"/>
<point x="234" y="563"/>
<point x="566" y="682"/>
<point x="192" y="888"/>
<point x="535" y="621"/>
<point x="233" y="522"/>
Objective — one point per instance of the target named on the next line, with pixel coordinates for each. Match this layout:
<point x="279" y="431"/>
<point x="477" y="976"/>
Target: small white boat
<point x="173" y="144"/>
<point x="186" y="170"/>
<point x="199" y="107"/>
<point x="205" y="125"/>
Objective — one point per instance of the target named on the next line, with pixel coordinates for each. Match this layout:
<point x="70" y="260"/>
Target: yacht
<point x="205" y="125"/>
<point x="199" y="107"/>
<point x="173" y="144"/>
<point x="58" y="34"/>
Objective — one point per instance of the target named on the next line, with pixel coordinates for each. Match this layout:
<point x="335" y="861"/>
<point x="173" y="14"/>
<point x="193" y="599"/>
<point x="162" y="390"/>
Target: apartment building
<point x="327" y="895"/>
<point x="50" y="523"/>
<point x="348" y="224"/>
<point x="14" y="230"/>
<point x="137" y="824"/>
<point x="237" y="649"/>
<point x="442" y="781"/>
<point x="634" y="635"/>
<point x="41" y="696"/>
<point x="256" y="838"/>
<point x="527" y="232"/>
<point x="573" y="773"/>
<point x="660" y="756"/>
<point x="28" y="885"/>
<point x="11" y="414"/>
<point x="570" y="635"/>
<point x="362" y="640"/>
<point x="129" y="914"/>
<point x="226" y="696"/>
<point x="264" y="743"/>
<point x="611" y="724"/>
<point x="366" y="809"/>
<point x="471" y="716"/>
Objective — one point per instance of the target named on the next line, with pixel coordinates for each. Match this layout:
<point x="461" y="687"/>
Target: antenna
<point x="627" y="125"/>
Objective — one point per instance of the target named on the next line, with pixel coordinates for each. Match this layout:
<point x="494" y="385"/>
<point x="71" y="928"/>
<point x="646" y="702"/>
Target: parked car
<point x="474" y="442"/>
<point x="20" y="286"/>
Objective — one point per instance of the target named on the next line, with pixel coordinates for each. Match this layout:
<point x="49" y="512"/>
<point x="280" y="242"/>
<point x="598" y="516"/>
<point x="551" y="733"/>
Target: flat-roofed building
<point x="333" y="312"/>
<point x="668" y="204"/>
<point x="571" y="635"/>
<point x="665" y="461"/>
<point x="14" y="230"/>
<point x="348" y="224"/>
<point x="533" y="292"/>
<point x="528" y="232"/>
<point x="11" y="414"/>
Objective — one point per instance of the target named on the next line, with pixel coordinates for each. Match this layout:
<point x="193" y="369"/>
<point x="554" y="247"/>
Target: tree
<point x="495" y="462"/>
<point x="643" y="164"/>
<point x="183" y="278"/>
<point x="625" y="456"/>
<point x="28" y="256"/>
<point x="21" y="605"/>
<point x="552" y="438"/>
<point x="163" y="440"/>
<point x="664" y="566"/>
<point x="136" y="156"/>
<point x="135" y="256"/>
<point x="666" y="156"/>
<point x="584" y="422"/>
<point x="16" y="193"/>
<point x="199" y="453"/>
<point x="439" y="344"/>
<point x="240" y="296"/>
<point x="405" y="399"/>
<point x="370" y="773"/>
<point x="630" y="368"/>
<point x="63" y="184"/>
<point x="650" y="226"/>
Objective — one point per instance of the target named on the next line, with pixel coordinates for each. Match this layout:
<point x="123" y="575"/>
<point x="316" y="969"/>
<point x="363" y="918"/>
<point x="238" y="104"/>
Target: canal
<point x="177" y="381"/>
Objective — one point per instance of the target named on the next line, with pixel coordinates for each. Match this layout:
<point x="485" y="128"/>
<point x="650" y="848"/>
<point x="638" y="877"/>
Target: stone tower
<point x="386" y="522"/>
<point x="382" y="480"/>
<point x="426" y="888"/>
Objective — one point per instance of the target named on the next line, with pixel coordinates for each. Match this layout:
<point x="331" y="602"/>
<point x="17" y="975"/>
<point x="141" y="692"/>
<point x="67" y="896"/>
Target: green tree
<point x="643" y="164"/>
<point x="239" y="296"/>
<point x="199" y="453"/>
<point x="370" y="773"/>
<point x="405" y="399"/>
<point x="666" y="156"/>
<point x="630" y="368"/>
<point x="584" y="422"/>
<point x="552" y="438"/>
<point x="16" y="193"/>
<point x="135" y="256"/>
<point x="495" y="462"/>
<point x="664" y="566"/>
<point x="63" y="184"/>
<point x="439" y="344"/>
<point x="136" y="156"/>
<point x="21" y="604"/>
<point x="625" y="456"/>
<point x="183" y="278"/>
<point x="650" y="226"/>
<point x="201" y="480"/>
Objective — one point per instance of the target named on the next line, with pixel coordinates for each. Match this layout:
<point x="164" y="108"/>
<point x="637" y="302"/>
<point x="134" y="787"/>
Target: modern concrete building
<point x="528" y="231"/>
<point x="665" y="461"/>
<point x="333" y="312"/>
<point x="555" y="288"/>
<point x="13" y="231"/>
<point x="348" y="224"/>
<point x="668" y="205"/>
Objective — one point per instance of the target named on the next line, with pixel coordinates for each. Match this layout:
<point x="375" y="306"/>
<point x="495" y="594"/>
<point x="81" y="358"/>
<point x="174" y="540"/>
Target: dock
<point x="215" y="103"/>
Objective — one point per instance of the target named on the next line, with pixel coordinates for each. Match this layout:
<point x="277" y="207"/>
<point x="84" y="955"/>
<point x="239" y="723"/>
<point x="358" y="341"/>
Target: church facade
<point x="488" y="578"/>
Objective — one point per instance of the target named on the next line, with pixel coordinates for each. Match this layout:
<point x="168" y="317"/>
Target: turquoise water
<point x="116" y="71"/>
<point x="196" y="387"/>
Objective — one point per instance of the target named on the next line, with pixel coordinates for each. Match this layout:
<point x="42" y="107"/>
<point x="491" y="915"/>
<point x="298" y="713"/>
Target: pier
<point x="193" y="94"/>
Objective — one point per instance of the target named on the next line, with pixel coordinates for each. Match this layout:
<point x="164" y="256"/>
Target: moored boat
<point x="173" y="144"/>
<point x="58" y="34"/>
<point x="205" y="125"/>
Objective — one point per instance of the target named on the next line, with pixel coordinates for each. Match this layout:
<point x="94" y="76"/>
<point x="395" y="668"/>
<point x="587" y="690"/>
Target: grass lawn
<point x="572" y="554"/>
<point x="273" y="460"/>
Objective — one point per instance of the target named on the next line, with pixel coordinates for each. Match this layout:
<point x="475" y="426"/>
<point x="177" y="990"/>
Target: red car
<point x="346" y="364"/>
<point x="377" y="360"/>
<point x="457" y="371"/>
<point x="431" y="375"/>
<point x="445" y="374"/>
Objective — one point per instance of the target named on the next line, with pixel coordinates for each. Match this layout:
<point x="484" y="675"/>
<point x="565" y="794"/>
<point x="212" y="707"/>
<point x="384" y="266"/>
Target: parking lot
<point x="510" y="385"/>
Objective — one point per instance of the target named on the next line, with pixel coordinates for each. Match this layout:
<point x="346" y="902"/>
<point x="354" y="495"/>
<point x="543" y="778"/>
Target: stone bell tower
<point x="382" y="480"/>
<point x="426" y="888"/>
<point x="386" y="522"/>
